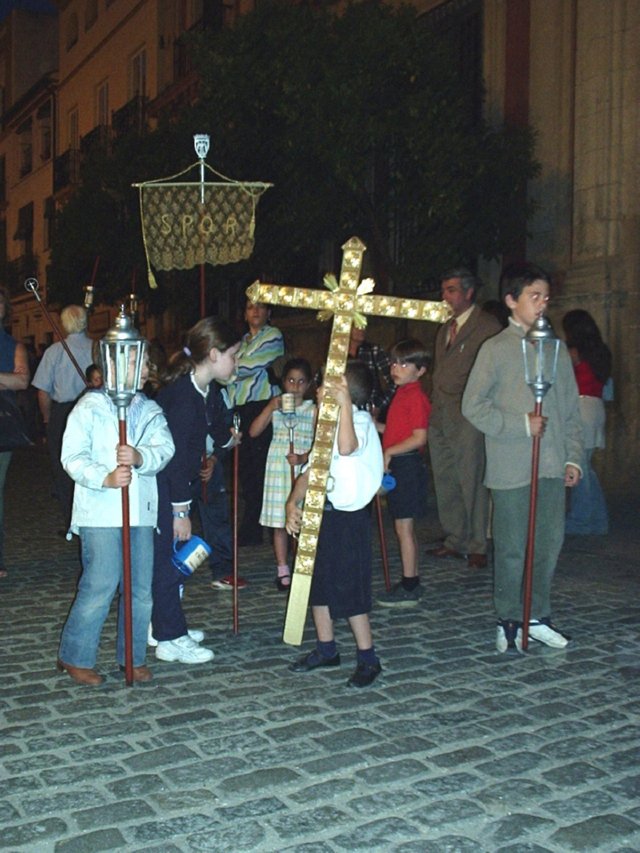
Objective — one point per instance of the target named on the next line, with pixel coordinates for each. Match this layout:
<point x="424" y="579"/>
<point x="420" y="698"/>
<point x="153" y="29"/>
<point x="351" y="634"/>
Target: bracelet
<point x="181" y="514"/>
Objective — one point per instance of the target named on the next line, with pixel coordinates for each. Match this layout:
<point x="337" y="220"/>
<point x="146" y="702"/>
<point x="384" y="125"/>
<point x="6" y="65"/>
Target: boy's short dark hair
<point x="516" y="277"/>
<point x="412" y="351"/>
<point x="360" y="382"/>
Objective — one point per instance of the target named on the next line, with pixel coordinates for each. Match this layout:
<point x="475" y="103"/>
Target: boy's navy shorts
<point x="409" y="498"/>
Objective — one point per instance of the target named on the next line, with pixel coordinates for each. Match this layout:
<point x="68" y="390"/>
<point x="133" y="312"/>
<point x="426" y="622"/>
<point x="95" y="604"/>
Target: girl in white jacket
<point x="100" y="466"/>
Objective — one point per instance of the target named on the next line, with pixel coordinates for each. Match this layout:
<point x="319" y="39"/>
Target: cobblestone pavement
<point x="454" y="748"/>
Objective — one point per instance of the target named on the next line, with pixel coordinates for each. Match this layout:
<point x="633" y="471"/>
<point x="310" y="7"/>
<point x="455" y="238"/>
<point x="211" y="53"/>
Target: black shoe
<point x="312" y="661"/>
<point x="283" y="583"/>
<point x="364" y="675"/>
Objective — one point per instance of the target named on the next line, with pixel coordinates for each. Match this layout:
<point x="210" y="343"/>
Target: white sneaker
<point x="184" y="650"/>
<point x="195" y="633"/>
<point x="508" y="635"/>
<point x="544" y="632"/>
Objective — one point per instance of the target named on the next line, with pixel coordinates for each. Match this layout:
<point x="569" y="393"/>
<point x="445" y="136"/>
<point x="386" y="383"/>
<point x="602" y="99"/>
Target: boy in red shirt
<point x="404" y="438"/>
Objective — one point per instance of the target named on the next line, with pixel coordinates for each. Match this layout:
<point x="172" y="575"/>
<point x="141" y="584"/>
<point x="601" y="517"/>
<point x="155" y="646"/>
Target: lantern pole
<point x="236" y="465"/>
<point x="540" y="346"/>
<point x="32" y="285"/>
<point x="122" y="377"/>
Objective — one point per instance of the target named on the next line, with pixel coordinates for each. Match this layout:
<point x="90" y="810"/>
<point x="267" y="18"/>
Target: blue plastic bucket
<point x="190" y="555"/>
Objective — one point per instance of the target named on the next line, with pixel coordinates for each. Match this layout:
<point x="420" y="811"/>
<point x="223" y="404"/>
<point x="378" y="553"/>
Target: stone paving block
<point x="628" y="787"/>
<point x="92" y="842"/>
<point x="311" y="847"/>
<point x="574" y="775"/>
<point x="512" y="793"/>
<point x="194" y="798"/>
<point x="77" y="774"/>
<point x="134" y="786"/>
<point x="443" y="844"/>
<point x="311" y="823"/>
<point x="298" y="729"/>
<point x="590" y="802"/>
<point x="248" y="835"/>
<point x="381" y="802"/>
<point x="204" y="772"/>
<point x="440" y="786"/>
<point x="348" y="738"/>
<point x="376" y="835"/>
<point x="597" y="832"/>
<point x="44" y="744"/>
<point x="61" y="802"/>
<point x="391" y="771"/>
<point x="260" y="779"/>
<point x="187" y="718"/>
<point x="522" y="847"/>
<point x="334" y="763"/>
<point x="327" y="790"/>
<point x="457" y="757"/>
<point x="399" y="746"/>
<point x="518" y="826"/>
<point x="162" y="757"/>
<point x="28" y="835"/>
<point x="623" y="760"/>
<point x="442" y="812"/>
<point x="19" y="785"/>
<point x="113" y="813"/>
<point x="519" y="762"/>
<point x="169" y="829"/>
<point x="8" y="814"/>
<point x="250" y="809"/>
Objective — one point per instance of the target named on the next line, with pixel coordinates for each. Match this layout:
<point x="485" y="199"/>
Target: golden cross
<point x="348" y="301"/>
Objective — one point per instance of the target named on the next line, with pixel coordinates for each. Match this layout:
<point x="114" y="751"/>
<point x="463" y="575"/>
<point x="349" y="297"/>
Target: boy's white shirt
<point x="355" y="479"/>
<point x="89" y="455"/>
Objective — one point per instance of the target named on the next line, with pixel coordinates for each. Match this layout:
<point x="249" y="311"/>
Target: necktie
<point x="453" y="331"/>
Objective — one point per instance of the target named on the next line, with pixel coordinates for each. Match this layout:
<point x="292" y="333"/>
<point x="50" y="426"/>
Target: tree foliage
<point x="364" y="125"/>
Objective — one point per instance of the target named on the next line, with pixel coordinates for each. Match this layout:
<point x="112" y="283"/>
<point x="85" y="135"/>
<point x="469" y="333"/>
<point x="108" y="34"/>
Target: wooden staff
<point x="383" y="545"/>
<point x="236" y="466"/>
<point x="289" y="414"/>
<point x="527" y="581"/>
<point x="126" y="566"/>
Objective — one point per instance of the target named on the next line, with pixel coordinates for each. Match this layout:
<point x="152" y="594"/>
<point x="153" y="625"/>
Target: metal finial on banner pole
<point x="201" y="144"/>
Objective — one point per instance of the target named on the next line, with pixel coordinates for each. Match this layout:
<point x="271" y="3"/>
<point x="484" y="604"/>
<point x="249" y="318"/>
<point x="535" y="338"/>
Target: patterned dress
<point x="277" y="481"/>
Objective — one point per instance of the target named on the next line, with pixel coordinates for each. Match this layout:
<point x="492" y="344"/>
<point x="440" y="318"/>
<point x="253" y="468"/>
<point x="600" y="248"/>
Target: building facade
<point x="570" y="68"/>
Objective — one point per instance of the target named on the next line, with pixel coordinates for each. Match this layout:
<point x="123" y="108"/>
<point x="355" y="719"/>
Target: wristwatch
<point x="181" y="514"/>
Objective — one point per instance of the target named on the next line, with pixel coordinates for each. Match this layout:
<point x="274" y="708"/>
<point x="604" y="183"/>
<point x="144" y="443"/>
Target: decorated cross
<point x="349" y="301"/>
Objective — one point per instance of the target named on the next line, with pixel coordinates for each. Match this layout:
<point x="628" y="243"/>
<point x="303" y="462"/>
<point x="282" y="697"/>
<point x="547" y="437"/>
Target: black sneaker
<point x="398" y="596"/>
<point x="508" y="636"/>
<point x="364" y="674"/>
<point x="312" y="661"/>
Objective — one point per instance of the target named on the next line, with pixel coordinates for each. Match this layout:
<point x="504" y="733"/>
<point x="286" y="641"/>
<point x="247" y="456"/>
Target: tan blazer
<point x="452" y="366"/>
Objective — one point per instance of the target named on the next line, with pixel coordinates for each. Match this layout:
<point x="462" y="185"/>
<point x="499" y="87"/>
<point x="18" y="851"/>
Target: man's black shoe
<point x="364" y="675"/>
<point x="312" y="661"/>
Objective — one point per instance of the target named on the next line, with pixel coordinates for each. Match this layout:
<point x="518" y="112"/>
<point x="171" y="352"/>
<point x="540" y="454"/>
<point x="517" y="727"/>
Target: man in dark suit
<point x="456" y="447"/>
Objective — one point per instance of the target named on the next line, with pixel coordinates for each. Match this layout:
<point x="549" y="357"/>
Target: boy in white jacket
<point x="100" y="467"/>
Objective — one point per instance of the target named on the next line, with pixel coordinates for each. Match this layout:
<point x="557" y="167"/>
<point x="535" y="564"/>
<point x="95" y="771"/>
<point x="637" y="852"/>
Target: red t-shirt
<point x="588" y="384"/>
<point x="410" y="409"/>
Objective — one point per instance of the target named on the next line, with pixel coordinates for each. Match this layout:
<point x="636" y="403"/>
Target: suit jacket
<point x="452" y="366"/>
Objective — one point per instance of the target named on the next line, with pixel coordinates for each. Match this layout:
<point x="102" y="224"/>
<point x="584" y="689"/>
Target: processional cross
<point x="349" y="301"/>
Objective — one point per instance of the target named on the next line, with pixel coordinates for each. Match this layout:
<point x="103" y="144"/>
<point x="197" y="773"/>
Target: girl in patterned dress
<point x="296" y="379"/>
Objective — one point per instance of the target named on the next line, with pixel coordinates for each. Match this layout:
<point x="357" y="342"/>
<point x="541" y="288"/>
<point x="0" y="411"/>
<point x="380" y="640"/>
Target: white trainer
<point x="183" y="650"/>
<point x="195" y="633"/>
<point x="544" y="632"/>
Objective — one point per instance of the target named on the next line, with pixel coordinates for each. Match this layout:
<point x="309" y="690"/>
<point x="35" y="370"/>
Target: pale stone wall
<point x="585" y="96"/>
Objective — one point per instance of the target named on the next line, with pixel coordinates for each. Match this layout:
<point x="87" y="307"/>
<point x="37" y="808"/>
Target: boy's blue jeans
<point x="510" y="522"/>
<point x="101" y="578"/>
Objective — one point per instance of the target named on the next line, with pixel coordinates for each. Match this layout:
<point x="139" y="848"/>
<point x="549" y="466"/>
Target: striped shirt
<point x="255" y="355"/>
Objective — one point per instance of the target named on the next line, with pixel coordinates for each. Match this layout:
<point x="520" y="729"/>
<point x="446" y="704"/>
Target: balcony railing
<point x="66" y="170"/>
<point x="96" y="142"/>
<point x="131" y="118"/>
<point x="26" y="266"/>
